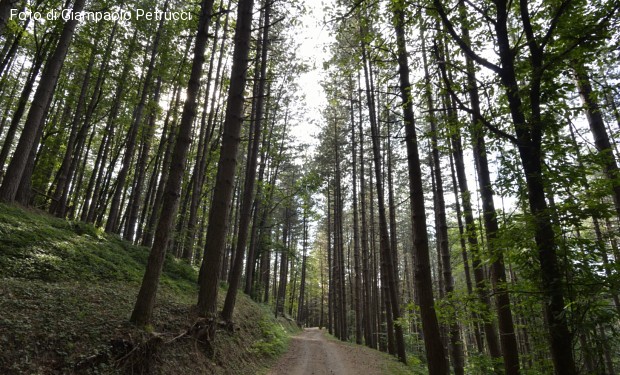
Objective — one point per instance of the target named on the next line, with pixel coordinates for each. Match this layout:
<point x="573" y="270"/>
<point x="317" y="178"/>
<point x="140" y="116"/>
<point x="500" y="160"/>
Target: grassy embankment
<point x="67" y="290"/>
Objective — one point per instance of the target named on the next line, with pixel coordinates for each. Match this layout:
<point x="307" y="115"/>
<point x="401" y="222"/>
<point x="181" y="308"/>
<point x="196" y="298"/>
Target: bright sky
<point x="313" y="40"/>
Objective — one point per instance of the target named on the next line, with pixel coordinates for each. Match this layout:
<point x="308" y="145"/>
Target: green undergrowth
<point x="390" y="364"/>
<point x="276" y="336"/>
<point x="37" y="246"/>
<point x="67" y="290"/>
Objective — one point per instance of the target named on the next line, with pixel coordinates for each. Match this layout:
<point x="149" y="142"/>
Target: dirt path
<point x="312" y="353"/>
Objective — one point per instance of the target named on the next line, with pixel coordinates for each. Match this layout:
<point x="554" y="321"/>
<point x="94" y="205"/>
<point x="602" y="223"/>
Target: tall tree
<point x="385" y="244"/>
<point x="113" y="223"/>
<point x="435" y="352"/>
<point x="42" y="99"/>
<point x="227" y="165"/>
<point x="145" y="302"/>
<point x="250" y="175"/>
<point x="456" y="347"/>
<point x="526" y="105"/>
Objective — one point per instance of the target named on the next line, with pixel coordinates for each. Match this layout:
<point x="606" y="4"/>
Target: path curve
<point x="312" y="353"/>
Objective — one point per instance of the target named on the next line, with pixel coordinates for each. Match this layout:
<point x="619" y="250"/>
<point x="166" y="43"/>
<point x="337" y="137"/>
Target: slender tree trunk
<point x="113" y="223"/>
<point x="110" y="131"/>
<point x="435" y="352"/>
<point x="21" y="107"/>
<point x="250" y="177"/>
<point x="284" y="259"/>
<point x="456" y="348"/>
<point x="135" y="200"/>
<point x="385" y="245"/>
<point x="330" y="271"/>
<point x="301" y="314"/>
<point x="464" y="254"/>
<point x="599" y="133"/>
<point x="369" y="337"/>
<point x="143" y="309"/>
<point x="9" y="106"/>
<point x="100" y="159"/>
<point x="220" y="209"/>
<point x="356" y="240"/>
<point x="339" y="280"/>
<point x="42" y="98"/>
<point x="23" y="195"/>
<point x="58" y="204"/>
<point x="168" y="141"/>
<point x="529" y="136"/>
<point x="203" y="146"/>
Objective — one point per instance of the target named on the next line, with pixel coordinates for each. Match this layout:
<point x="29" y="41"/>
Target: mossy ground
<point x="67" y="290"/>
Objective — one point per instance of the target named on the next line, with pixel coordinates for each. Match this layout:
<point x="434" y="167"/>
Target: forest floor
<point x="67" y="290"/>
<point x="313" y="352"/>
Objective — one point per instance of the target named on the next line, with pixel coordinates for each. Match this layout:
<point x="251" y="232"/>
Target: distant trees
<point x="506" y="140"/>
<point x="108" y="138"/>
<point x="464" y="177"/>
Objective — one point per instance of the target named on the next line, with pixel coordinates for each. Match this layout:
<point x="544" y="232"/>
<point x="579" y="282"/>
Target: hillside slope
<point x="66" y="293"/>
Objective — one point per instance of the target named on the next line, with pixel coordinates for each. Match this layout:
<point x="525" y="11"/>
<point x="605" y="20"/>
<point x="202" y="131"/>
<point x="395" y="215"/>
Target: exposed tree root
<point x="140" y="355"/>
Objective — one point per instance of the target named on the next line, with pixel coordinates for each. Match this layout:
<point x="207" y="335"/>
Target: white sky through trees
<point x="313" y="41"/>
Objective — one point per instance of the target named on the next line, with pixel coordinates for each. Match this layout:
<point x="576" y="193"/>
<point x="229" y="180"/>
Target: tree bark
<point x="42" y="98"/>
<point x="58" y="204"/>
<point x="143" y="309"/>
<point x="435" y="352"/>
<point x="21" y="108"/>
<point x="113" y="223"/>
<point x="599" y="133"/>
<point x="356" y="240"/>
<point x="456" y="348"/>
<point x="385" y="245"/>
<point x="250" y="176"/>
<point x="220" y="209"/>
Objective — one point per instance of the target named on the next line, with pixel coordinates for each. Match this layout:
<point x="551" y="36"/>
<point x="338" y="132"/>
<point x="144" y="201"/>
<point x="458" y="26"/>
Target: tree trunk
<point x="141" y="168"/>
<point x="456" y="348"/>
<point x="250" y="176"/>
<point x="356" y="240"/>
<point x="113" y="223"/>
<point x="59" y="200"/>
<point x="301" y="315"/>
<point x="203" y="146"/>
<point x="529" y="136"/>
<point x="9" y="104"/>
<point x="435" y="352"/>
<point x="284" y="256"/>
<point x="385" y="245"/>
<point x="42" y="98"/>
<point x="369" y="337"/>
<point x="220" y="209"/>
<point x="111" y="123"/>
<point x="21" y="107"/>
<point x="597" y="127"/>
<point x="143" y="309"/>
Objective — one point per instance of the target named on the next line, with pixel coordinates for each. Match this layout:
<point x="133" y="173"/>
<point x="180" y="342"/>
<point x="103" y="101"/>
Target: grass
<point x="390" y="364"/>
<point x="67" y="290"/>
<point x="40" y="247"/>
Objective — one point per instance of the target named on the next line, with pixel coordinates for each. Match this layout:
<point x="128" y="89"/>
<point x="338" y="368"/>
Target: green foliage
<point x="275" y="338"/>
<point x="38" y="246"/>
<point x="66" y="293"/>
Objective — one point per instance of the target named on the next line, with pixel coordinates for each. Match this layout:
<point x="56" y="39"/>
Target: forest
<point x="457" y="205"/>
